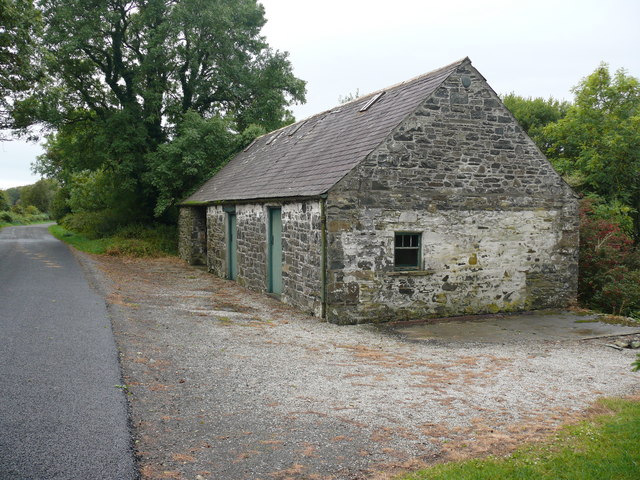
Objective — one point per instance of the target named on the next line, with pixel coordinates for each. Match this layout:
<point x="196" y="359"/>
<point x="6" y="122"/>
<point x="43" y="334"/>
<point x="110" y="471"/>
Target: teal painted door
<point x="275" y="250"/>
<point x="232" y="249"/>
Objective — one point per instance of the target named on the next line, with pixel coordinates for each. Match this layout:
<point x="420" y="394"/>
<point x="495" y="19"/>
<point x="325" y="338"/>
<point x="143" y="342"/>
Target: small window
<point x="407" y="251"/>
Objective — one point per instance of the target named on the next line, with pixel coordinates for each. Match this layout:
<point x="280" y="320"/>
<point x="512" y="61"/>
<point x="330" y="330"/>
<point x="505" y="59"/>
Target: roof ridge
<point x="321" y="149"/>
<point x="384" y="89"/>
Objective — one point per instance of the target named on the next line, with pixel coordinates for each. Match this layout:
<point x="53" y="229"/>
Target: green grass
<point x="134" y="241"/>
<point x="81" y="242"/>
<point x="606" y="447"/>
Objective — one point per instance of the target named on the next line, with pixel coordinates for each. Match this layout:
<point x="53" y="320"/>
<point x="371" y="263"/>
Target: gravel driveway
<point x="229" y="384"/>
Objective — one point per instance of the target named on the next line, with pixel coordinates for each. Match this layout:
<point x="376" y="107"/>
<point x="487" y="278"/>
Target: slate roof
<point x="307" y="158"/>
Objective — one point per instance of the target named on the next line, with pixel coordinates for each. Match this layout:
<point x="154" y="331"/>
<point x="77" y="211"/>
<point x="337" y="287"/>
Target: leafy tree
<point x="199" y="149"/>
<point x="122" y="75"/>
<point x="19" y="28"/>
<point x="39" y="195"/>
<point x="533" y="114"/>
<point x="14" y="195"/>
<point x="5" y="201"/>
<point x="597" y="143"/>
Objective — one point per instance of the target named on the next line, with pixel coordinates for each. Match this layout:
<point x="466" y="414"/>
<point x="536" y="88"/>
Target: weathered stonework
<point x="301" y="249"/>
<point x="252" y="246"/>
<point x="439" y="157"/>
<point x="216" y="241"/>
<point x="499" y="226"/>
<point x="192" y="241"/>
<point x="302" y="255"/>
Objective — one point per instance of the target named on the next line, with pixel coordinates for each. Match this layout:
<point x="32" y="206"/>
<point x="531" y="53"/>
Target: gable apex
<point x="309" y="157"/>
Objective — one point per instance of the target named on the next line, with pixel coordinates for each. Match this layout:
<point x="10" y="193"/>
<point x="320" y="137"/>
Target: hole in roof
<point x="298" y="127"/>
<point x="375" y="98"/>
<point x="274" y="137"/>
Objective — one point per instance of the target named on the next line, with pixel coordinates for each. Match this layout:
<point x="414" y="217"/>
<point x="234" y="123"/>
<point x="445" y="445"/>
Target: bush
<point x="603" y="247"/>
<point x="5" y="201"/>
<point x="132" y="247"/>
<point x="31" y="210"/>
<point x="22" y="219"/>
<point x="161" y="237"/>
<point x="59" y="206"/>
<point x="620" y="295"/>
<point x="7" y="217"/>
<point x="93" y="225"/>
<point x="17" y="208"/>
<point x="609" y="273"/>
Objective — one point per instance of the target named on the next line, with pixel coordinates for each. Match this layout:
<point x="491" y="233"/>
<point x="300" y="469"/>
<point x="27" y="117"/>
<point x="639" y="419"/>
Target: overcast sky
<point x="538" y="48"/>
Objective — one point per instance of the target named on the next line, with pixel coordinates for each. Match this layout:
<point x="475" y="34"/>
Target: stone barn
<point x="425" y="199"/>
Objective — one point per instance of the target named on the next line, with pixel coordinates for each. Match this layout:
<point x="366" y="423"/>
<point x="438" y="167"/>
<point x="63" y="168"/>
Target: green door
<point x="275" y="250"/>
<point x="232" y="250"/>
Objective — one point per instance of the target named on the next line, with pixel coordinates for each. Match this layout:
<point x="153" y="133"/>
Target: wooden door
<point x="275" y="250"/>
<point x="232" y="248"/>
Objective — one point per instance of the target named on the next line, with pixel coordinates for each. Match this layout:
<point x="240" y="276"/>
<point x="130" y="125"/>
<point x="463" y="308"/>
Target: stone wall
<point x="216" y="241"/>
<point x="252" y="246"/>
<point x="302" y="255"/>
<point x="192" y="235"/>
<point x="301" y="249"/>
<point x="499" y="226"/>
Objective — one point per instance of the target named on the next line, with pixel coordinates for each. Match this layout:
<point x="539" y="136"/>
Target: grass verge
<point x="129" y="242"/>
<point x="81" y="242"/>
<point x="604" y="447"/>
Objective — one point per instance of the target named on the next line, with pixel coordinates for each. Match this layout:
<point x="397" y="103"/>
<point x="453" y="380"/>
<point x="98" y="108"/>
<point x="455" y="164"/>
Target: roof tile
<point x="309" y="157"/>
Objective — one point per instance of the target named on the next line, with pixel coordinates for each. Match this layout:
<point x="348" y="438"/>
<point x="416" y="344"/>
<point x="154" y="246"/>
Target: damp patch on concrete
<point x="543" y="326"/>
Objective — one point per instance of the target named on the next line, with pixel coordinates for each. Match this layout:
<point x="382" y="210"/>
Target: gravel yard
<point x="229" y="384"/>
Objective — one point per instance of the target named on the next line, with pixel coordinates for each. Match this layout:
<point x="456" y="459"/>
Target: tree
<point x="39" y="195"/>
<point x="14" y="195"/>
<point x="121" y="76"/>
<point x="533" y="114"/>
<point x="199" y="149"/>
<point x="19" y="28"/>
<point x="597" y="143"/>
<point x="5" y="202"/>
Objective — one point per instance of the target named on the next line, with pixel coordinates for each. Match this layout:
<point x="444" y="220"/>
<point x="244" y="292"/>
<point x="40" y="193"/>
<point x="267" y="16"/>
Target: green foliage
<point x="14" y="194"/>
<point x="613" y="210"/>
<point x="5" y="201"/>
<point x="97" y="246"/>
<point x="20" y="26"/>
<point x="620" y="293"/>
<point x="609" y="273"/>
<point x="605" y="447"/>
<point x="132" y="241"/>
<point x="93" y="225"/>
<point x="59" y="205"/>
<point x="124" y="81"/>
<point x="198" y="150"/>
<point x="160" y="237"/>
<point x="533" y="114"/>
<point x="25" y="217"/>
<point x="39" y="195"/>
<point x="31" y="210"/>
<point x="597" y="143"/>
<point x="349" y="97"/>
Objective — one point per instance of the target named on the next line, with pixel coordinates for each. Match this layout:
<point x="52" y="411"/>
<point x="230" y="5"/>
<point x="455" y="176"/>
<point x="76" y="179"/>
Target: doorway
<point x="275" y="251"/>
<point x="232" y="247"/>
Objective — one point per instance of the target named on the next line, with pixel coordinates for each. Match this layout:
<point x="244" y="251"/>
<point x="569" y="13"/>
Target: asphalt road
<point x="62" y="414"/>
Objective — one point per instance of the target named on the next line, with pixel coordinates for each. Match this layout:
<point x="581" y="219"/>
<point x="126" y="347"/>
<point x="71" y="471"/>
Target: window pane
<point x="406" y="258"/>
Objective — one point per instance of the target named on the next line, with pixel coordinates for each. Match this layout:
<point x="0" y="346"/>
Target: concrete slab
<point x="545" y="326"/>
